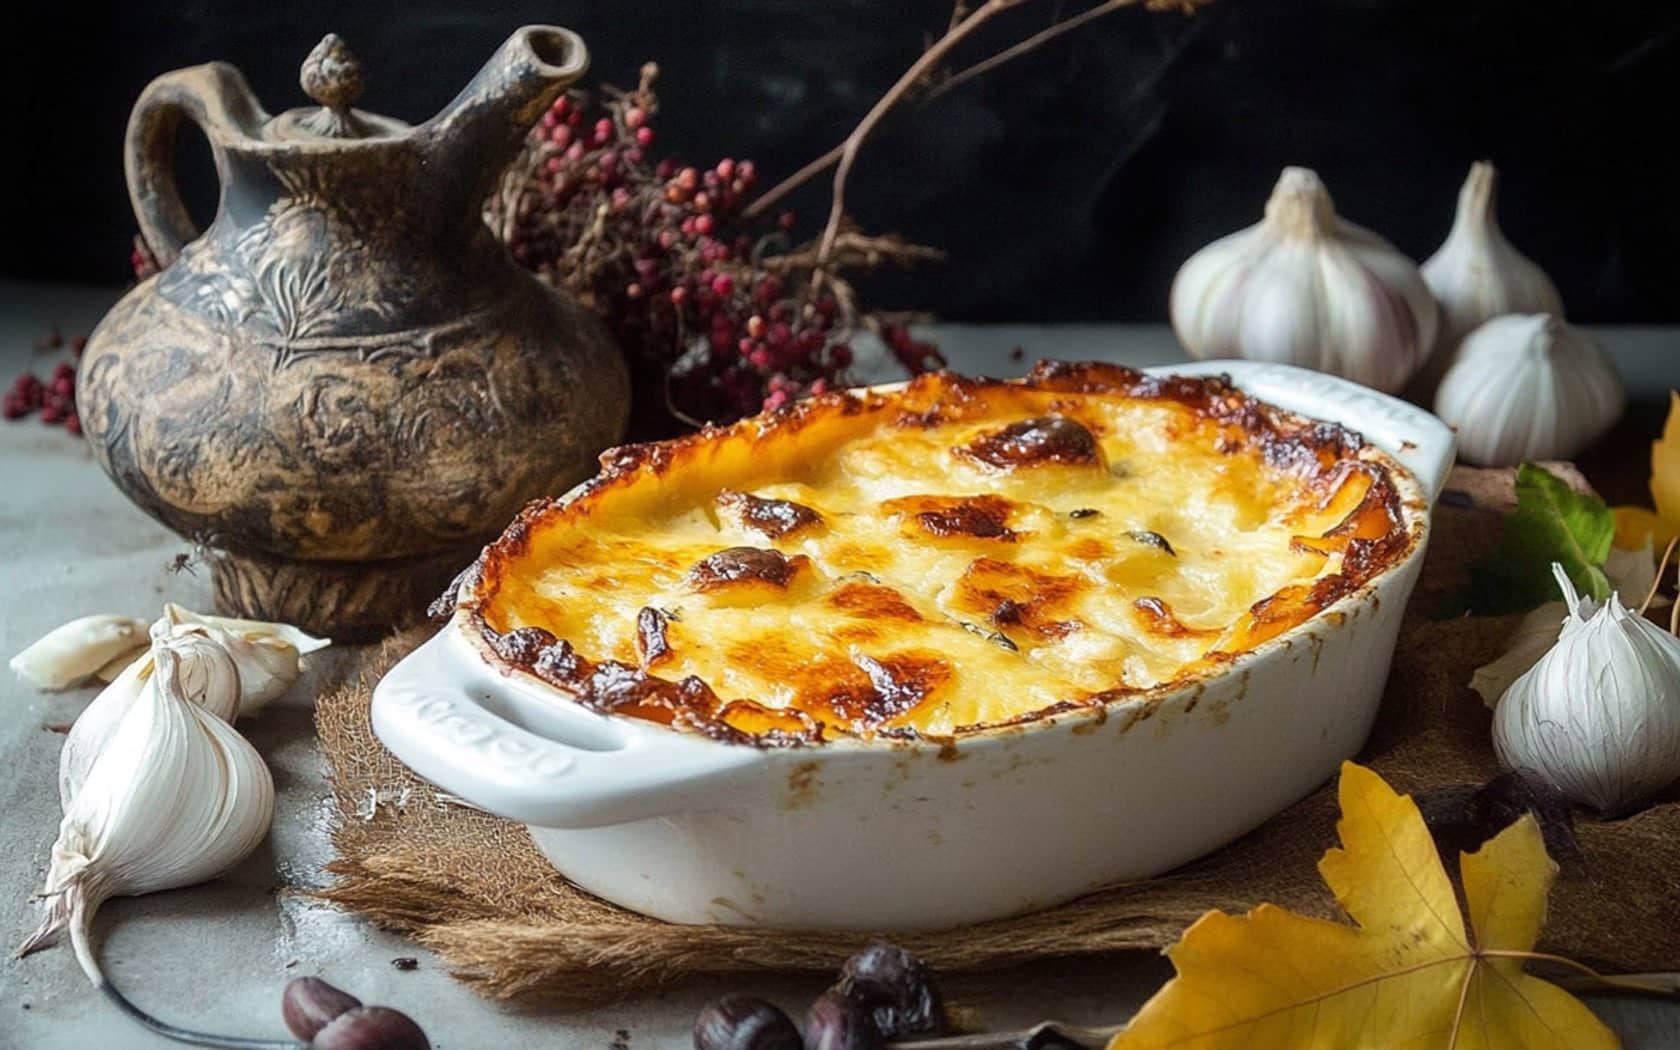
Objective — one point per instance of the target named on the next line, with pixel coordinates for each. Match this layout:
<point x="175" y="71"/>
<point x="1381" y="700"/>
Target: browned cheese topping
<point x="959" y="555"/>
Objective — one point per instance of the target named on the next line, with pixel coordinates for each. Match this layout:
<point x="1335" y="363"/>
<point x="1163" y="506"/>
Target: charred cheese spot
<point x="756" y="720"/>
<point x="823" y="684"/>
<point x="560" y="665"/>
<point x="902" y="682"/>
<point x="1017" y="597"/>
<point x="771" y="518"/>
<point x="874" y="612"/>
<point x="652" y="644"/>
<point x="523" y="646"/>
<point x="969" y="517"/>
<point x="872" y="601"/>
<point x="1036" y="442"/>
<point x="738" y="566"/>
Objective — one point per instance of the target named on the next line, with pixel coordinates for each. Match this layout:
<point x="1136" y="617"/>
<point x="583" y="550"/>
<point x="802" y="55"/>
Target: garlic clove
<point x="1528" y="387"/>
<point x="95" y="726"/>
<point x="1305" y="287"/>
<point x="264" y="669"/>
<point x="1599" y="714"/>
<point x="249" y="630"/>
<point x="176" y="797"/>
<point x="266" y="654"/>
<point x="76" y="651"/>
<point x="118" y="664"/>
<point x="208" y="677"/>
<point x="1477" y="275"/>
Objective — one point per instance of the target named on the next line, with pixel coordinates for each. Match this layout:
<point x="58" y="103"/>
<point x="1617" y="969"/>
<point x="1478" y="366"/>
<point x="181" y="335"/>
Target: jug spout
<point x="480" y="132"/>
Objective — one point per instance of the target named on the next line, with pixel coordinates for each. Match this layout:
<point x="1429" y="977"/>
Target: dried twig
<point x="769" y="198"/>
<point x="920" y="68"/>
<point x="856" y="249"/>
<point x="1038" y="39"/>
<point x="923" y="70"/>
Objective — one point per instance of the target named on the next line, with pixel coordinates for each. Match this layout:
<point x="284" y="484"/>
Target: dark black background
<point x="1066" y="186"/>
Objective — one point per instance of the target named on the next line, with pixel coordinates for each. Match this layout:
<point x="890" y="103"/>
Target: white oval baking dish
<point x="886" y="836"/>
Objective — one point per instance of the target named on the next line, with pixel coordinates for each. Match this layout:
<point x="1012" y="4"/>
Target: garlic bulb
<point x="1477" y="275"/>
<point x="1307" y="288"/>
<point x="1599" y="714"/>
<point x="208" y="677"/>
<point x="174" y="798"/>
<point x="77" y="651"/>
<point x="1528" y="387"/>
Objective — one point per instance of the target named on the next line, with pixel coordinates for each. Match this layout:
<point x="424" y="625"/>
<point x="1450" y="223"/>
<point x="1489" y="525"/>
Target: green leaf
<point x="1552" y="522"/>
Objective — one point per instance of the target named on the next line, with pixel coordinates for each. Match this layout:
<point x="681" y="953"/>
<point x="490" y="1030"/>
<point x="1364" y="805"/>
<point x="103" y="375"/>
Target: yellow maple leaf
<point x="1633" y="524"/>
<point x="1407" y="976"/>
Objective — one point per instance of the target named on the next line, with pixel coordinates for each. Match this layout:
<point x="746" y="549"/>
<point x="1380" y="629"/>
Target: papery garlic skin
<point x="1476" y="274"/>
<point x="1534" y="638"/>
<point x="1629" y="571"/>
<point x="249" y="630"/>
<point x="1528" y="387"/>
<point x="176" y="797"/>
<point x="95" y="726"/>
<point x="1599" y="715"/>
<point x="75" y="652"/>
<point x="1305" y="287"/>
<point x="206" y="674"/>
<point x="266" y="654"/>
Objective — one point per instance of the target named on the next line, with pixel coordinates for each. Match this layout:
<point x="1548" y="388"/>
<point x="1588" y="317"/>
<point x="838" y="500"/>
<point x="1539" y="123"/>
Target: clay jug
<point x="344" y="385"/>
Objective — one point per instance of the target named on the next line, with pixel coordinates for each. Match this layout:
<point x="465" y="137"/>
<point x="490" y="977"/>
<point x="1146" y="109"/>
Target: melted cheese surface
<point x="1093" y="544"/>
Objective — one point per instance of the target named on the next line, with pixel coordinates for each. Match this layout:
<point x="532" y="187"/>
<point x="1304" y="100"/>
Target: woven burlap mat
<point x="474" y="889"/>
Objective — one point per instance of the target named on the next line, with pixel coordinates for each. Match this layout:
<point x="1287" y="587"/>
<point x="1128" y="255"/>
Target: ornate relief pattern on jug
<point x="345" y="373"/>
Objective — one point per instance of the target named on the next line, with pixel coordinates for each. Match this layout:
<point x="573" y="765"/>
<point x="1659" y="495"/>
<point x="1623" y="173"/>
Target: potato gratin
<point x="958" y="555"/>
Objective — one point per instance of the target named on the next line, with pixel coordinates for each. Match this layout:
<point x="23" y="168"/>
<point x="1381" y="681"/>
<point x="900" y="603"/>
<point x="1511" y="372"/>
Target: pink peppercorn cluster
<point x="719" y="315"/>
<point x="54" y="398"/>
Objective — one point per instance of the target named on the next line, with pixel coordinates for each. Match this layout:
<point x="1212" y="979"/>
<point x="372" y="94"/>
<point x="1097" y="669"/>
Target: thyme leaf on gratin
<point x="1411" y="971"/>
<point x="1552" y="523"/>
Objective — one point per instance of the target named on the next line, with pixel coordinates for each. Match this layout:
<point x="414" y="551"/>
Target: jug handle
<point x="216" y="98"/>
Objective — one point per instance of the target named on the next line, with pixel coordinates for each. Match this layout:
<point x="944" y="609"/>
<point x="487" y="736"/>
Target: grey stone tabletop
<point x="216" y="956"/>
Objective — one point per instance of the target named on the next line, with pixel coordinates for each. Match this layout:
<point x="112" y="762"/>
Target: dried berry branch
<point x="712" y="308"/>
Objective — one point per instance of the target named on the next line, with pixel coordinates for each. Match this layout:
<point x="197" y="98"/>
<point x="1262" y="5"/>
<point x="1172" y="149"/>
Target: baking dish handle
<point x="1422" y="443"/>
<point x="505" y="746"/>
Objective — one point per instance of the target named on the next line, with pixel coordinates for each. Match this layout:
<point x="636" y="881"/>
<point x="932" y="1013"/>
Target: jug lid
<point x="332" y="76"/>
